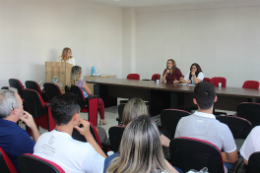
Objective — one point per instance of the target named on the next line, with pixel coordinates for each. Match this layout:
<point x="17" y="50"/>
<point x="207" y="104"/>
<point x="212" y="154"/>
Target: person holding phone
<point x="194" y="76"/>
<point x="172" y="74"/>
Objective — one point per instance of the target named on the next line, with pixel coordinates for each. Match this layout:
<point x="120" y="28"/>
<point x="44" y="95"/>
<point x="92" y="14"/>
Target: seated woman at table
<point x="194" y="76"/>
<point x="172" y="74"/>
<point x="140" y="150"/>
<point x="134" y="108"/>
<point x="75" y="76"/>
<point x="66" y="56"/>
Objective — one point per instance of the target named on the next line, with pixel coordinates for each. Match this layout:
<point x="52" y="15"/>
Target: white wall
<point x="32" y="32"/>
<point x="223" y="37"/>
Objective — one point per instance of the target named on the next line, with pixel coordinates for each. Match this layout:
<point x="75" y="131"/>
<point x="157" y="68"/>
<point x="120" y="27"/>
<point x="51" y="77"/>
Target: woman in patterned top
<point x="75" y="76"/>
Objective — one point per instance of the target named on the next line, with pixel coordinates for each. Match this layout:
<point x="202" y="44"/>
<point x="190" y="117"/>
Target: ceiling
<point x="142" y="3"/>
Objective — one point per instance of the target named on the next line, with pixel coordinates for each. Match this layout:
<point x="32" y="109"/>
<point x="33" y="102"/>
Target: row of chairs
<point x="37" y="102"/>
<point x="29" y="163"/>
<point x="186" y="153"/>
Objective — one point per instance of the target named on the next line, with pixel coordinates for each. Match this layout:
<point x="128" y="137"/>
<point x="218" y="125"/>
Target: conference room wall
<point x="32" y="32"/>
<point x="223" y="37"/>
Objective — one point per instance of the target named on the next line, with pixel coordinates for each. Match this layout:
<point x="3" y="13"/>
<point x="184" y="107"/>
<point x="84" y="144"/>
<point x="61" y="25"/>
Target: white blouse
<point x="200" y="76"/>
<point x="70" y="60"/>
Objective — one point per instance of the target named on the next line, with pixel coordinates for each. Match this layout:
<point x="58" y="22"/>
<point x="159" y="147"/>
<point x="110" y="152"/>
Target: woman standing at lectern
<point x="172" y="74"/>
<point x="66" y="56"/>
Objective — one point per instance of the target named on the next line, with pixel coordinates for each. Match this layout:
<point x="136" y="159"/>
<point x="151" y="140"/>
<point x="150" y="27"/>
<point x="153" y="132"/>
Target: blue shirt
<point x="14" y="141"/>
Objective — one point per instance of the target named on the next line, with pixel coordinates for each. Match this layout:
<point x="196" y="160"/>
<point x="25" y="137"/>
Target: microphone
<point x="169" y="68"/>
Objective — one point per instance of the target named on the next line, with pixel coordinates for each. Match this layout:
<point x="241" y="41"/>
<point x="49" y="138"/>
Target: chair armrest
<point x="239" y="166"/>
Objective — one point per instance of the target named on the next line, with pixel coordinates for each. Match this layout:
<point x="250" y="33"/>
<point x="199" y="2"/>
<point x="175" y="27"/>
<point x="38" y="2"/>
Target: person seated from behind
<point x="251" y="144"/>
<point x="194" y="76"/>
<point x="203" y="124"/>
<point x="134" y="108"/>
<point x="76" y="73"/>
<point x="59" y="146"/>
<point x="140" y="150"/>
<point x="14" y="140"/>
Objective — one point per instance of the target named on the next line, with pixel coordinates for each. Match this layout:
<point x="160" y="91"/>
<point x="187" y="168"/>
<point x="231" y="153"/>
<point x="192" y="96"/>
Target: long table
<point x="162" y="96"/>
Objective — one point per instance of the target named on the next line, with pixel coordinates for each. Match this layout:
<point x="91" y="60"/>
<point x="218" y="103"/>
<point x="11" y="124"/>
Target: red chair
<point x="249" y="111"/>
<point x="39" y="109"/>
<point x="29" y="163"/>
<point x="206" y="79"/>
<point x="251" y="84"/>
<point x="216" y="80"/>
<point x="170" y="119"/>
<point x="192" y="153"/>
<point x="133" y="76"/>
<point x="6" y="165"/>
<point x="89" y="104"/>
<point x="51" y="90"/>
<point x="115" y="136"/>
<point x="156" y="77"/>
<point x="15" y="83"/>
<point x="76" y="135"/>
<point x="35" y="86"/>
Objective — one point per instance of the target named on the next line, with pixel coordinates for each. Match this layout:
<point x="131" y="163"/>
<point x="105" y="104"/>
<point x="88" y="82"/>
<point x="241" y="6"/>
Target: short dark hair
<point x="64" y="107"/>
<point x="205" y="93"/>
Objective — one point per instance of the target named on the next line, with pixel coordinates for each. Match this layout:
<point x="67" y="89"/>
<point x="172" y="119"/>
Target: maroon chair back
<point x="29" y="163"/>
<point x="239" y="127"/>
<point x="133" y="76"/>
<point x="156" y="77"/>
<point x="170" y="119"/>
<point x="6" y="165"/>
<point x="191" y="153"/>
<point x="251" y="84"/>
<point x="249" y="111"/>
<point x="206" y="79"/>
<point x="15" y="83"/>
<point x="76" y="135"/>
<point x="216" y="80"/>
<point x="89" y="104"/>
<point x="51" y="90"/>
<point x="39" y="109"/>
<point x="33" y="85"/>
<point x="115" y="136"/>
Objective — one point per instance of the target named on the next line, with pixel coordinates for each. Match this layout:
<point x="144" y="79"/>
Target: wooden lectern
<point x="58" y="73"/>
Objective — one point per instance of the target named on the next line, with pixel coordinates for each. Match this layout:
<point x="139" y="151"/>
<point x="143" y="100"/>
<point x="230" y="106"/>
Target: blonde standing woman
<point x="76" y="72"/>
<point x="66" y="56"/>
<point x="140" y="150"/>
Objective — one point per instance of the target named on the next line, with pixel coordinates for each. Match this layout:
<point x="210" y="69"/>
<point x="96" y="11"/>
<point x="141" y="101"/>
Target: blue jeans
<point x="228" y="165"/>
<point x="178" y="169"/>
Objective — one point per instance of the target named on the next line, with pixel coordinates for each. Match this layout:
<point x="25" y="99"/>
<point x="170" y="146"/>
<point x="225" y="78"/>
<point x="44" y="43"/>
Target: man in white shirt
<point x="203" y="124"/>
<point x="58" y="145"/>
<point x="251" y="144"/>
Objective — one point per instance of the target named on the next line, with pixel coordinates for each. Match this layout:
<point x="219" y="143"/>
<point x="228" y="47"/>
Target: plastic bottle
<point x="92" y="71"/>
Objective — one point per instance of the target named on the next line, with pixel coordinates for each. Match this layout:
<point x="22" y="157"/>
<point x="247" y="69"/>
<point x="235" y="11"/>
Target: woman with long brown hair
<point x="66" y="56"/>
<point x="194" y="76"/>
<point x="140" y="150"/>
<point x="171" y="74"/>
